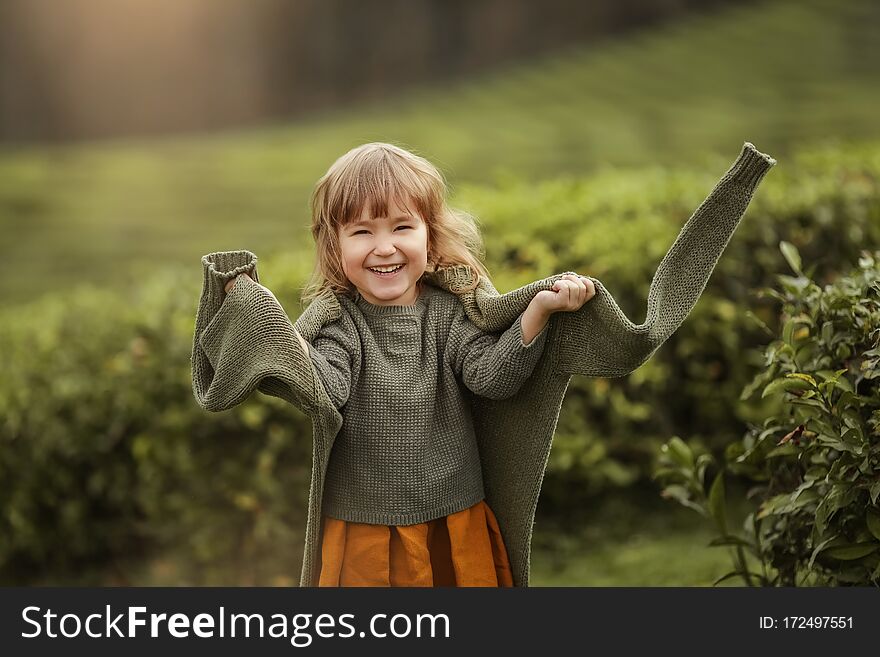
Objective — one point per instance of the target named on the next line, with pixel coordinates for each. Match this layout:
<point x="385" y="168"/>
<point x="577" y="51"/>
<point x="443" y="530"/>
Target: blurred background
<point x="138" y="135"/>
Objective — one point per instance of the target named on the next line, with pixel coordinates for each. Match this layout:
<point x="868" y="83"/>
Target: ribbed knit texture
<point x="407" y="452"/>
<point x="246" y="342"/>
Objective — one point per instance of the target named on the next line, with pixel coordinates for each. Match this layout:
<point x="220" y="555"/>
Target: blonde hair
<point x="370" y="176"/>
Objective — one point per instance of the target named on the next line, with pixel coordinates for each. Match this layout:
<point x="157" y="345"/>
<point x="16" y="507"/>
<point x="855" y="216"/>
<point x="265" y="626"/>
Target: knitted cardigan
<point x="244" y="341"/>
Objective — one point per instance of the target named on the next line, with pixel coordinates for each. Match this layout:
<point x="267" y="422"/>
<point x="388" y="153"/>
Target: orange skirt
<point x="461" y="549"/>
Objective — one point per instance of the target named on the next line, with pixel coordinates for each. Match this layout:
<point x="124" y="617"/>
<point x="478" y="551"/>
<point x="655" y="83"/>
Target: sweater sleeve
<point x="244" y="340"/>
<point x="333" y="361"/>
<point x="490" y="364"/>
<point x="600" y="340"/>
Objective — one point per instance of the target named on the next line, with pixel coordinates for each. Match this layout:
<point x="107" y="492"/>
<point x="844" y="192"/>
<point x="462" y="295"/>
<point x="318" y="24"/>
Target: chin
<point x="390" y="293"/>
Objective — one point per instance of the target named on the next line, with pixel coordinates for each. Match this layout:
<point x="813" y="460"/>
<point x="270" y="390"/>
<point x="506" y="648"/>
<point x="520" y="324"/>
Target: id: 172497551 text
<point x="805" y="622"/>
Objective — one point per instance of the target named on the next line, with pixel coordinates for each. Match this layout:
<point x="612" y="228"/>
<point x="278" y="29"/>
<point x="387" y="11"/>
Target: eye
<point x="358" y="232"/>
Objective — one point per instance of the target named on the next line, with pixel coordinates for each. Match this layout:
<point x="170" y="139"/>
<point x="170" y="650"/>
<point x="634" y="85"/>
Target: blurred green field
<point x="632" y="537"/>
<point x="777" y="73"/>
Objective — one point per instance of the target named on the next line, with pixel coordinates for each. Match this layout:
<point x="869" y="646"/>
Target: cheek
<point x="420" y="240"/>
<point x="349" y="252"/>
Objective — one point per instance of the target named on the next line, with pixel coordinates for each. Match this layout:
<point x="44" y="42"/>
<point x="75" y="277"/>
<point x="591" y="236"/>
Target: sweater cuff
<point x="537" y="343"/>
<point x="218" y="268"/>
<point x="750" y="166"/>
<point x="227" y="264"/>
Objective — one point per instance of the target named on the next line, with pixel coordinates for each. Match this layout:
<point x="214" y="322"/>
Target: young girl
<point x="403" y="498"/>
<point x="433" y="398"/>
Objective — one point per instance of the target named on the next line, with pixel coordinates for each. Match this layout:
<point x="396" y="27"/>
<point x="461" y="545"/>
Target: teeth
<point x="386" y="269"/>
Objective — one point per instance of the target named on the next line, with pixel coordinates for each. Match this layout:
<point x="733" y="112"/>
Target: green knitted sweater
<point x="400" y="375"/>
<point x="244" y="341"/>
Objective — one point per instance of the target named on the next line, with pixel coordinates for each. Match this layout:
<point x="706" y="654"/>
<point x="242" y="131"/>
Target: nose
<point x="385" y="246"/>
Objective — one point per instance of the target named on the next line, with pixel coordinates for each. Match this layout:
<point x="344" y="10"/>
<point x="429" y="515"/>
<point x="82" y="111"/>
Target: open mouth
<point x="390" y="274"/>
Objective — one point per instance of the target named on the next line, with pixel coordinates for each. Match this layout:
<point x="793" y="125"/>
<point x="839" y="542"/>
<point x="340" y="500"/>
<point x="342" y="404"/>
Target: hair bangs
<point x="373" y="183"/>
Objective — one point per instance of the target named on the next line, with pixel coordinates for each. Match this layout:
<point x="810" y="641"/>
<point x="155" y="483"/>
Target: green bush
<point x="106" y="457"/>
<point x="814" y="463"/>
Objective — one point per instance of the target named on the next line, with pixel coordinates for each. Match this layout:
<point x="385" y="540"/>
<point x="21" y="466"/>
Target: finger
<point x="563" y="288"/>
<point x="588" y="284"/>
<point x="578" y="290"/>
<point x="580" y="281"/>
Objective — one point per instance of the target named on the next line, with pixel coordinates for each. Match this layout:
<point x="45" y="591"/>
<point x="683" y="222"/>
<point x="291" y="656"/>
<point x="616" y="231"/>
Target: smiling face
<point x="399" y="238"/>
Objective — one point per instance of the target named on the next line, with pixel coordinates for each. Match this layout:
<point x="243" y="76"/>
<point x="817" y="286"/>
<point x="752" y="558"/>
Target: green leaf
<point x="788" y="449"/>
<point x="759" y="322"/>
<point x="787" y="331"/>
<point x="775" y="503"/>
<point x="804" y="495"/>
<point x="741" y="573"/>
<point x="819" y="548"/>
<point x="850" y="552"/>
<point x="821" y="426"/>
<point x="814" y="403"/>
<point x="844" y="384"/>
<point x="726" y="576"/>
<point x="680" y="451"/>
<point x="663" y="473"/>
<point x="786" y="383"/>
<point x="853" y="436"/>
<point x="792" y="284"/>
<point x="717" y="502"/>
<point x="803" y="377"/>
<point x="836" y="499"/>
<point x="681" y="495"/>
<point x="835" y="443"/>
<point x="792" y="256"/>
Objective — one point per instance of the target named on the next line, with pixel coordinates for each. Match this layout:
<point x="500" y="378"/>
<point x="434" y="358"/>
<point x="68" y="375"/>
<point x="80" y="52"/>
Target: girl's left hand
<point x="569" y="293"/>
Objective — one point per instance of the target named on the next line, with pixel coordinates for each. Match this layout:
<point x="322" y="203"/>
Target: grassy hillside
<point x="777" y="74"/>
